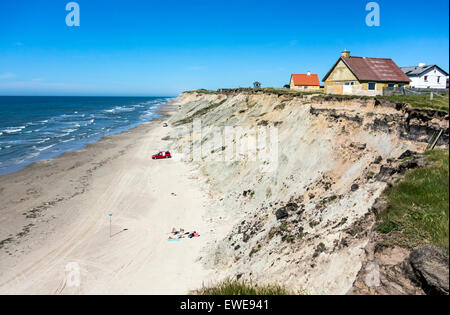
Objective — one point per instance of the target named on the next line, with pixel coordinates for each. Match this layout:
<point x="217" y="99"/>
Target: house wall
<point x="432" y="80"/>
<point x="359" y="88"/>
<point x="338" y="77"/>
<point x="305" y="87"/>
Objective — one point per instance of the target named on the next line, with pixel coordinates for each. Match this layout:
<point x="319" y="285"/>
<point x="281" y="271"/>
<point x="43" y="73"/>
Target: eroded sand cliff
<point x="306" y="222"/>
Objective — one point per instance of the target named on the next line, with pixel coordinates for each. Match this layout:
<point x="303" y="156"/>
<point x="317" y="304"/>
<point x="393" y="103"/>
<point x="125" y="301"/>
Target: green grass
<point x="268" y="90"/>
<point x="234" y="287"/>
<point x="439" y="102"/>
<point x="417" y="212"/>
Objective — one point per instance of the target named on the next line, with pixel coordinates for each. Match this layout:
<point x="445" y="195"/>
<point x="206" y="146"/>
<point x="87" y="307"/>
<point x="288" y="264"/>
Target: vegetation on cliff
<point x="236" y="287"/>
<point x="439" y="102"/>
<point x="417" y="212"/>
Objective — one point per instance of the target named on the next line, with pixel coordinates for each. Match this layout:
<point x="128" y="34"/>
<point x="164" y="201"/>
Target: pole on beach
<point x="110" y="222"/>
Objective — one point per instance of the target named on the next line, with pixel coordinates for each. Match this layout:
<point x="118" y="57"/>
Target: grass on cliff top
<point x="418" y="206"/>
<point x="439" y="102"/>
<point x="235" y="287"/>
<point x="268" y="90"/>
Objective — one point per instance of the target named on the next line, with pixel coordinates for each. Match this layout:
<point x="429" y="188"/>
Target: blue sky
<point x="146" y="47"/>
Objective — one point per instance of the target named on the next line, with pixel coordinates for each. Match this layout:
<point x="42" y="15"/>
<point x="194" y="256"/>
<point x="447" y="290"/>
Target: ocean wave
<point x="40" y="149"/>
<point x="13" y="129"/>
<point x="52" y="130"/>
<point x="71" y="139"/>
<point x="119" y="109"/>
<point x="146" y="115"/>
<point x="43" y="140"/>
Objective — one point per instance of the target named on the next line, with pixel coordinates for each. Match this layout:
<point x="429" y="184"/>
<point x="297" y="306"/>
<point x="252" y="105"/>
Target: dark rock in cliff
<point x="385" y="173"/>
<point x="359" y="146"/>
<point x="431" y="269"/>
<point x="319" y="249"/>
<point x="291" y="206"/>
<point x="406" y="154"/>
<point x="407" y="166"/>
<point x="281" y="213"/>
<point x="355" y="187"/>
<point x="378" y="159"/>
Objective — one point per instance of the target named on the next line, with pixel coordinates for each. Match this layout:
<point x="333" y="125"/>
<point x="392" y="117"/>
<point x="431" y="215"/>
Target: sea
<point x="34" y="128"/>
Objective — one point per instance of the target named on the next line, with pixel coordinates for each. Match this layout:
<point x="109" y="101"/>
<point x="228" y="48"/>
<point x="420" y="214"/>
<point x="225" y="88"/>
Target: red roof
<point x="373" y="69"/>
<point x="305" y="79"/>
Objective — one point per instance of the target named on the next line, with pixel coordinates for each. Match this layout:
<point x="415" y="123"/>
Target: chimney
<point x="422" y="64"/>
<point x="308" y="73"/>
<point x="346" y="53"/>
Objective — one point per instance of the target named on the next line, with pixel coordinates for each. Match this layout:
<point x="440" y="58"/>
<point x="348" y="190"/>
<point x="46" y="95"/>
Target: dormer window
<point x="425" y="78"/>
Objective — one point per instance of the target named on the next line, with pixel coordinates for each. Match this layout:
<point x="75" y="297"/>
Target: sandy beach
<point x="55" y="223"/>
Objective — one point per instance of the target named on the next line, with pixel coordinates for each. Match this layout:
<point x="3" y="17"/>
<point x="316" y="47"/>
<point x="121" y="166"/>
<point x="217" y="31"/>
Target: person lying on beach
<point x="181" y="234"/>
<point x="193" y="234"/>
<point x="176" y="232"/>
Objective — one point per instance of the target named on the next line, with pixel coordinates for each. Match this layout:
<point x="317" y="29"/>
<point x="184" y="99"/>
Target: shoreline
<point x="160" y="111"/>
<point x="54" y="214"/>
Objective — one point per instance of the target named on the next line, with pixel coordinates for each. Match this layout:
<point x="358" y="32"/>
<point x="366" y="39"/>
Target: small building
<point x="305" y="82"/>
<point x="426" y="76"/>
<point x="363" y="76"/>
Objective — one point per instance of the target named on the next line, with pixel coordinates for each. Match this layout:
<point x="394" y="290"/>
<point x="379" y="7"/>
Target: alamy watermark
<point x="73" y="275"/>
<point x="372" y="278"/>
<point x="73" y="17"/>
<point x="230" y="144"/>
<point x="373" y="17"/>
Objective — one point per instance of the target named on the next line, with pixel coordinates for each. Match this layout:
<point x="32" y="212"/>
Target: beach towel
<point x="174" y="240"/>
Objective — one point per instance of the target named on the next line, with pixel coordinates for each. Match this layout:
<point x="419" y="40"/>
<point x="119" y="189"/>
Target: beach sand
<point x="55" y="224"/>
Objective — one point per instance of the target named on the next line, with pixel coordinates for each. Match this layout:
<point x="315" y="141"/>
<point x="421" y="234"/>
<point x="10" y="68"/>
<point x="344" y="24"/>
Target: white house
<point x="426" y="76"/>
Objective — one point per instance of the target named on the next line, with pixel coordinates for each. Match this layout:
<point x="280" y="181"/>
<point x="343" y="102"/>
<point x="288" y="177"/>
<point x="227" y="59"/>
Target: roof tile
<point x="375" y="69"/>
<point x="305" y="79"/>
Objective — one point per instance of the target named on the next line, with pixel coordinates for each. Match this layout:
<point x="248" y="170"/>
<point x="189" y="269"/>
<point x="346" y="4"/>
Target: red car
<point x="162" y="155"/>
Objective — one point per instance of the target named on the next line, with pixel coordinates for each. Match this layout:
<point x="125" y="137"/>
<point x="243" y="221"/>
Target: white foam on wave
<point x="71" y="139"/>
<point x="147" y="115"/>
<point x="120" y="109"/>
<point x="43" y="140"/>
<point x="40" y="149"/>
<point x="13" y="129"/>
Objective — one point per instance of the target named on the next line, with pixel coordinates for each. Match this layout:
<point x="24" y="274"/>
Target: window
<point x="372" y="86"/>
<point x="425" y="78"/>
<point x="400" y="85"/>
<point x="391" y="85"/>
<point x="438" y="79"/>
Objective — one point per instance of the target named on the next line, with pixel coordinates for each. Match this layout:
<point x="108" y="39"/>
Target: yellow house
<point x="363" y="76"/>
<point x="305" y="82"/>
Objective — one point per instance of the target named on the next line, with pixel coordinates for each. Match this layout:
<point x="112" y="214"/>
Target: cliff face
<point x="304" y="221"/>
